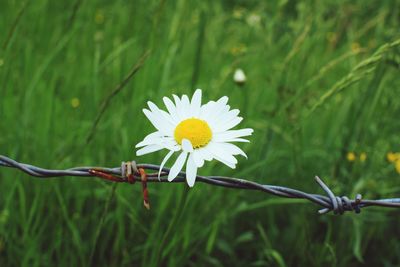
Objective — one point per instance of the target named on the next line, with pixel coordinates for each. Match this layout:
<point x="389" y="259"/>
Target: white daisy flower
<point x="197" y="132"/>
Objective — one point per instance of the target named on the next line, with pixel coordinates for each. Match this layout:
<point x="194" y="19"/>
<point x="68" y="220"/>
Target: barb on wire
<point x="130" y="172"/>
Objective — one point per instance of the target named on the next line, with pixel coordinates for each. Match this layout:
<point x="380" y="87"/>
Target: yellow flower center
<point x="195" y="130"/>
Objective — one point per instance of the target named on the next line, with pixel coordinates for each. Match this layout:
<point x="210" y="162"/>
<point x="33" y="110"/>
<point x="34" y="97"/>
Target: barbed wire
<point x="130" y="172"/>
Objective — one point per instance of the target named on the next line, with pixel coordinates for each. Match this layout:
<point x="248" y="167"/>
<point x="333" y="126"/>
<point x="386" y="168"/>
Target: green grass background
<point x="323" y="80"/>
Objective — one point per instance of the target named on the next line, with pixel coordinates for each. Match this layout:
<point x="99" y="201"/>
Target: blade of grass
<point x="107" y="100"/>
<point x="359" y="72"/>
<point x="15" y="25"/>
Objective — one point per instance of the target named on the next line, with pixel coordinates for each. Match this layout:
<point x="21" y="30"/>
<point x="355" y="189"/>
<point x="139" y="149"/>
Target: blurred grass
<point x="323" y="80"/>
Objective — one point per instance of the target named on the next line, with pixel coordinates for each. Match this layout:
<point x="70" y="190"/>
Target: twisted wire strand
<point x="328" y="203"/>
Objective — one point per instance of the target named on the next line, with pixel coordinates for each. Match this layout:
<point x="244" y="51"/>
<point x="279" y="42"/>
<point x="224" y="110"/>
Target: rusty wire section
<point x="129" y="172"/>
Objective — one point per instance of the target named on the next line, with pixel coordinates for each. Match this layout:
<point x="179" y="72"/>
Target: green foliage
<point x="322" y="81"/>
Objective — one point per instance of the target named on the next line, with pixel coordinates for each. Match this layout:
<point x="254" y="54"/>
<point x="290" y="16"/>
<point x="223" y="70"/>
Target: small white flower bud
<point x="239" y="77"/>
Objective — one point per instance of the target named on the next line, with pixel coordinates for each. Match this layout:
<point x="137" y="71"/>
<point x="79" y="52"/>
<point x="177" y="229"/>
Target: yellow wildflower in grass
<point x="392" y="157"/>
<point x="1" y="62"/>
<point x="75" y="102"/>
<point x="363" y="156"/>
<point x="397" y="166"/>
<point x="351" y="156"/>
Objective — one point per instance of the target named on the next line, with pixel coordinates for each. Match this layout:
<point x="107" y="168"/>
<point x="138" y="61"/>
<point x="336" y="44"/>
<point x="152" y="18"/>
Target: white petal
<point x="198" y="158"/>
<point x="154" y="141"/>
<point x="153" y="107"/>
<point x="221" y="106"/>
<point x="148" y="149"/>
<point x="170" y="107"/>
<point x="224" y="117"/>
<point x="169" y="154"/>
<point x="186" y="107"/>
<point x="221" y="155"/>
<point x="227" y="163"/>
<point x="196" y="103"/>
<point x="178" y="106"/>
<point x="218" y="113"/>
<point x="229" y="115"/>
<point x="164" y="141"/>
<point x="167" y="142"/>
<point x="232" y="149"/>
<point x="149" y="139"/>
<point x="153" y="135"/>
<point x="223" y="136"/>
<point x="224" y="126"/>
<point x="171" y="146"/>
<point x="191" y="171"/>
<point x="187" y="146"/>
<point x="177" y="167"/>
<point x="223" y="100"/>
<point x="208" y="110"/>
<point x="214" y="108"/>
<point x="232" y="123"/>
<point x="159" y="123"/>
<point x="205" y="153"/>
<point x="169" y="118"/>
<point x="237" y="140"/>
<point x="162" y="114"/>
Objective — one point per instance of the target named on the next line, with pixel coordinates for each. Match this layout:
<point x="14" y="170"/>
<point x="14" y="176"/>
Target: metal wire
<point x="331" y="202"/>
